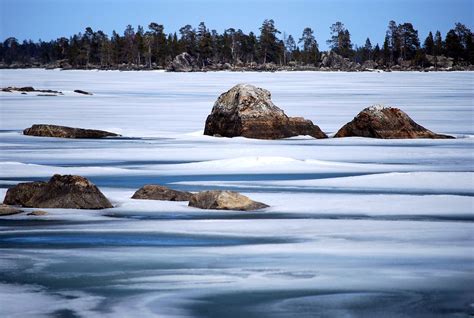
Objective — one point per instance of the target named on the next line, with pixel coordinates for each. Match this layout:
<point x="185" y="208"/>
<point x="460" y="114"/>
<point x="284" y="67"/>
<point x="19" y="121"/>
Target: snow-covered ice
<point x="356" y="227"/>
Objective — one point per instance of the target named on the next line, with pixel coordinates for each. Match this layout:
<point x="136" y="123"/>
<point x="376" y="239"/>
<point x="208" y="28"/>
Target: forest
<point x="153" y="48"/>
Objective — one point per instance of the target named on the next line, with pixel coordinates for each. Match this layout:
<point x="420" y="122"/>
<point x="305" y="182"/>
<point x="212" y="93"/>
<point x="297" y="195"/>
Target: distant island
<point x="202" y="49"/>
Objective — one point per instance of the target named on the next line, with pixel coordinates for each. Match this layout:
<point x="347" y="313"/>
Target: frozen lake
<point x="357" y="227"/>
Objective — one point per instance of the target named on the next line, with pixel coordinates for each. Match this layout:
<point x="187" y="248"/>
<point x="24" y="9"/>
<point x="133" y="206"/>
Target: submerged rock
<point x="387" y="123"/>
<point x="224" y="200"/>
<point x="8" y="210"/>
<point x="37" y="213"/>
<point x="42" y="130"/>
<point x="158" y="192"/>
<point x="61" y="191"/>
<point x="248" y="111"/>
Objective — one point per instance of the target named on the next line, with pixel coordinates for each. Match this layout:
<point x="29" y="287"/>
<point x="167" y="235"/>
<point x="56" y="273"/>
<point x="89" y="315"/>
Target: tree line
<point x="154" y="48"/>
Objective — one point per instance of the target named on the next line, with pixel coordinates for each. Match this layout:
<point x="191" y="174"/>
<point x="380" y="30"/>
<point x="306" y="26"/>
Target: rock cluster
<point x="248" y="111"/>
<point x="43" y="130"/>
<point x="61" y="191"/>
<point x="158" y="192"/>
<point x="387" y="123"/>
<point x="224" y="200"/>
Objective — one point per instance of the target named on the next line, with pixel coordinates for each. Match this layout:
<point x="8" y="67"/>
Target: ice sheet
<point x="356" y="227"/>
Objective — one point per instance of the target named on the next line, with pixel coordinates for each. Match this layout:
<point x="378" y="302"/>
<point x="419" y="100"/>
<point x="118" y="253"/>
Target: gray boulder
<point x="158" y="192"/>
<point x="183" y="62"/>
<point x="224" y="200"/>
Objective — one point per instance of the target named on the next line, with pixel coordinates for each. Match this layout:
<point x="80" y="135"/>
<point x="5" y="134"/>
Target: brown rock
<point x="248" y="111"/>
<point x="224" y="200"/>
<point x="158" y="192"/>
<point x="38" y="213"/>
<point x="68" y="192"/>
<point x="66" y="132"/>
<point x="8" y="210"/>
<point x="386" y="123"/>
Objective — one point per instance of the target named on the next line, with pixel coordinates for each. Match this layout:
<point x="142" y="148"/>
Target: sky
<point x="50" y="19"/>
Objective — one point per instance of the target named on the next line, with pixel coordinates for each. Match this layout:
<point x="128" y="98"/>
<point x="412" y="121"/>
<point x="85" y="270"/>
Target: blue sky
<point x="50" y="19"/>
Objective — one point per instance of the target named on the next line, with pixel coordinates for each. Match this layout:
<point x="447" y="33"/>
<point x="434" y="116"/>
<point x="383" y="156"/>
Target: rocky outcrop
<point x="440" y="61"/>
<point x="42" y="130"/>
<point x="387" y="123"/>
<point x="158" y="192"/>
<point x="8" y="210"/>
<point x="248" y="111"/>
<point x="183" y="62"/>
<point x="224" y="200"/>
<point x="61" y="191"/>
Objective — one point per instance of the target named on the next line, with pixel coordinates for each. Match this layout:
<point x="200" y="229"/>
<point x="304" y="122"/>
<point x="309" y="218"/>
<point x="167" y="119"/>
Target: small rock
<point x="67" y="192"/>
<point x="224" y="200"/>
<point x="158" y="192"/>
<point x="38" y="213"/>
<point x="387" y="123"/>
<point x="8" y="210"/>
<point x="82" y="92"/>
<point x="42" y="130"/>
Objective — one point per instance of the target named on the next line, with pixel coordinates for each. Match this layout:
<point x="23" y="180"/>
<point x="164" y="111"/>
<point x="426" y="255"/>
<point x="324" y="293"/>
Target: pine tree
<point x="454" y="46"/>
<point x="428" y="46"/>
<point x="290" y="46"/>
<point x="269" y="47"/>
<point x="367" y="50"/>
<point x="409" y="41"/>
<point x="438" y="48"/>
<point x="387" y="51"/>
<point x="310" y="47"/>
<point x="394" y="41"/>
<point x="204" y="44"/>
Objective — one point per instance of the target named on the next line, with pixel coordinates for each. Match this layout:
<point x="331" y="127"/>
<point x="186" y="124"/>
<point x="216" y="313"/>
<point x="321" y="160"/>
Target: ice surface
<point x="356" y="227"/>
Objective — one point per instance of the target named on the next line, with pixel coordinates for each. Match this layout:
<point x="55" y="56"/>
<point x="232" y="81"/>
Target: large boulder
<point x="61" y="191"/>
<point x="224" y="200"/>
<point x="8" y="210"/>
<point x="183" y="62"/>
<point x="248" y="111"/>
<point x="66" y="132"/>
<point x="334" y="61"/>
<point x="158" y="192"/>
<point x="387" y="123"/>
